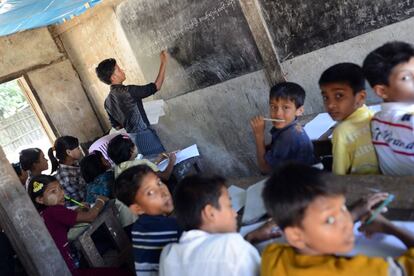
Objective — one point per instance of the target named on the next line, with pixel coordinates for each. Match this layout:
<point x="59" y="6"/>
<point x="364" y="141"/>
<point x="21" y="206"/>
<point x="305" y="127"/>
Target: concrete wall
<point x="306" y="69"/>
<point x="56" y="85"/>
<point x="217" y="117"/>
<point x="60" y="90"/>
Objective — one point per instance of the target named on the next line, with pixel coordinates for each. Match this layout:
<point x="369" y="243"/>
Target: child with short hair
<point x="65" y="164"/>
<point x="289" y="140"/>
<point x="100" y="181"/>
<point x="95" y="170"/>
<point x="124" y="104"/>
<point x="147" y="197"/>
<point x="318" y="226"/>
<point x="123" y="153"/>
<point x="389" y="70"/>
<point x="48" y="197"/>
<point x="33" y="161"/>
<point x="211" y="244"/>
<point x="343" y="94"/>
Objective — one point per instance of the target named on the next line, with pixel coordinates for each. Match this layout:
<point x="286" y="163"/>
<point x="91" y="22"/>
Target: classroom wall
<point x="35" y="55"/>
<point x="216" y="117"/>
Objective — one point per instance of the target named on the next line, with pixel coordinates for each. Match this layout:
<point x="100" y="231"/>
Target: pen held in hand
<point x="274" y="120"/>
<point x="74" y="201"/>
<point x="387" y="201"/>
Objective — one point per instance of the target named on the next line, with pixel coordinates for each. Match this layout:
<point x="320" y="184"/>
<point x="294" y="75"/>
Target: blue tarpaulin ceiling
<point x="20" y="15"/>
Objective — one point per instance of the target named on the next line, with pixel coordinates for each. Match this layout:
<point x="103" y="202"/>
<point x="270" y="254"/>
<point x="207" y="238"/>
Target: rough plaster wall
<point x="93" y="40"/>
<point x="59" y="89"/>
<point x="26" y="49"/>
<point x="216" y="118"/>
<point x="306" y="69"/>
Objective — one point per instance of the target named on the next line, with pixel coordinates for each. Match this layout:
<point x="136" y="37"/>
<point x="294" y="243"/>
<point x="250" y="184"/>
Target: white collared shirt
<point x="199" y="253"/>
<point x="393" y="138"/>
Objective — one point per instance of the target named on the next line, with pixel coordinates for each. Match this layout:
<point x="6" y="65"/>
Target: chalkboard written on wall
<point x="209" y="41"/>
<point x="302" y="26"/>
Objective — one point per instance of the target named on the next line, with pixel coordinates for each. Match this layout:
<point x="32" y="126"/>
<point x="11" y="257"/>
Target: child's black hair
<point x="105" y="70"/>
<point x="17" y="168"/>
<point x="91" y="166"/>
<point x="62" y="144"/>
<point x="37" y="187"/>
<point x="290" y="190"/>
<point x="28" y="157"/>
<point x="288" y="91"/>
<point x="192" y="194"/>
<point x="379" y="63"/>
<point x="120" y="148"/>
<point x="128" y="183"/>
<point x="345" y="73"/>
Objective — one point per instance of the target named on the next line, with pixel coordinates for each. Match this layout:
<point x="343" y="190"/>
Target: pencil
<point x="274" y="120"/>
<point x="379" y="209"/>
<point x="74" y="201"/>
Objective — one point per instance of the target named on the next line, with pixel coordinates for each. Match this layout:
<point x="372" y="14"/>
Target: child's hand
<point x="378" y="225"/>
<point x="164" y="56"/>
<point x="101" y="199"/>
<point x="172" y="157"/>
<point x="267" y="231"/>
<point x="366" y="204"/>
<point x="258" y="125"/>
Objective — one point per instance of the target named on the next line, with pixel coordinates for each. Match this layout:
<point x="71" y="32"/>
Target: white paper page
<point x="238" y="197"/>
<point x="187" y="153"/>
<point x="154" y="110"/>
<point x="254" y="208"/>
<point x="380" y="245"/>
<point x="319" y="125"/>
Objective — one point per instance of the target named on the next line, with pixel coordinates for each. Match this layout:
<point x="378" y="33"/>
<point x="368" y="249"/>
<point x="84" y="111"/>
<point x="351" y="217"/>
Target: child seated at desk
<point x="211" y="244"/>
<point x="390" y="71"/>
<point x="343" y="94"/>
<point x="142" y="191"/>
<point x="48" y="197"/>
<point x="317" y="226"/>
<point x="124" y="152"/>
<point x="289" y="140"/>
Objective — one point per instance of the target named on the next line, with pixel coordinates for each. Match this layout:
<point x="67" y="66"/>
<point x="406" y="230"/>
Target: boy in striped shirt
<point x="390" y="71"/>
<point x="147" y="197"/>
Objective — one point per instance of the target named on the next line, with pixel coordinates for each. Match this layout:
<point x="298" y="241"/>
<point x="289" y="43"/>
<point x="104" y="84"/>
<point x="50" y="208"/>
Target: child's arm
<point x="91" y="214"/>
<point x="165" y="175"/>
<point x="258" y="126"/>
<point x="161" y="74"/>
<point x="382" y="225"/>
<point x="267" y="231"/>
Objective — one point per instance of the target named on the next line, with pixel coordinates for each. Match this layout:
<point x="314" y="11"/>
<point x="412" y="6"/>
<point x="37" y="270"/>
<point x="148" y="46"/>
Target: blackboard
<point x="302" y="26"/>
<point x="209" y="41"/>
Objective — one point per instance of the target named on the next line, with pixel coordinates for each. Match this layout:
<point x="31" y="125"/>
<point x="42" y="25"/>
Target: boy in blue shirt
<point x="147" y="197"/>
<point x="289" y="140"/>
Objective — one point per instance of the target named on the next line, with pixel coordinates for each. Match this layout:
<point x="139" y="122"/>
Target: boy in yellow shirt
<point x="343" y="93"/>
<point x="318" y="226"/>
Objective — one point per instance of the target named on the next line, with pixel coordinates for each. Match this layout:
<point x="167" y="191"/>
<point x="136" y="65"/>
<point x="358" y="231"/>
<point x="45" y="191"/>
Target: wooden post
<point x="25" y="228"/>
<point x="254" y="16"/>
